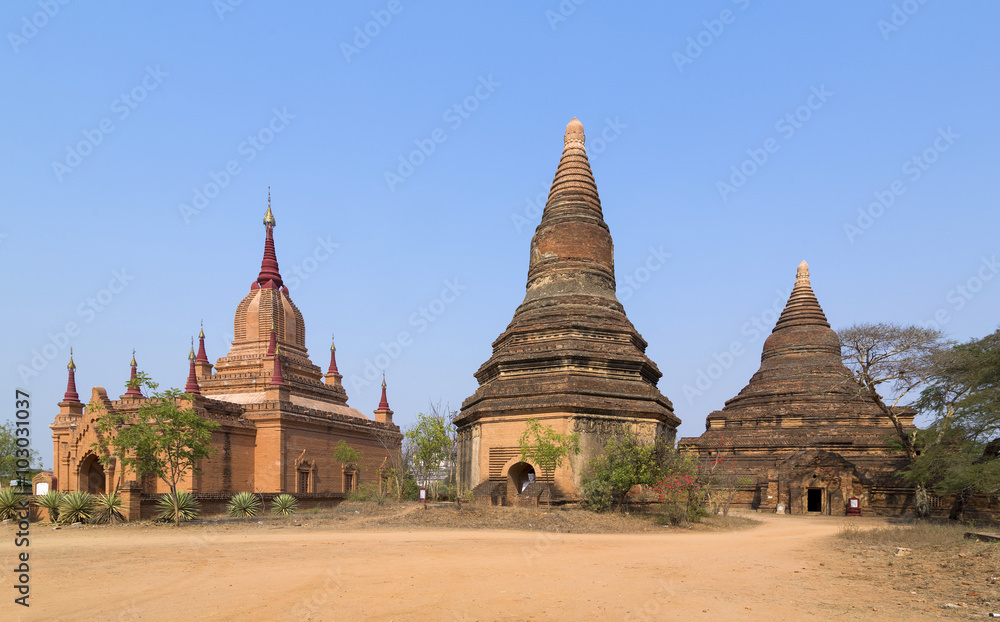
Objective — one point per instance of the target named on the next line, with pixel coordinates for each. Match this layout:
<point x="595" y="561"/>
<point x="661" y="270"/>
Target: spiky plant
<point x="10" y="503"/>
<point x="285" y="504"/>
<point x="244" y="505"/>
<point x="76" y="507"/>
<point x="187" y="506"/>
<point x="107" y="509"/>
<point x="50" y="501"/>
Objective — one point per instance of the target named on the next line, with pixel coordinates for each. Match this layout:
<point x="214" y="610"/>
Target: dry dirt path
<point x="771" y="572"/>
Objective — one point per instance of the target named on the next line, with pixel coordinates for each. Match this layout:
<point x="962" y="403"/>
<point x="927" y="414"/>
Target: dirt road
<point x="782" y="570"/>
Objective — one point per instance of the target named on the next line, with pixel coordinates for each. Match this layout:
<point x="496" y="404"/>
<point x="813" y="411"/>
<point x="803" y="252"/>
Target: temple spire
<point x="269" y="276"/>
<point x="133" y="388"/>
<point x="272" y="344"/>
<point x="71" y="395"/>
<point x="384" y="404"/>
<point x="383" y="413"/>
<point x="333" y="358"/>
<point x="276" y="378"/>
<point x="192" y="381"/>
<point x="202" y="355"/>
<point x="802" y="308"/>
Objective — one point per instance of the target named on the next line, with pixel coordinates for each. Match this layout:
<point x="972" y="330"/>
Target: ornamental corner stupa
<point x="802" y="434"/>
<point x="570" y="357"/>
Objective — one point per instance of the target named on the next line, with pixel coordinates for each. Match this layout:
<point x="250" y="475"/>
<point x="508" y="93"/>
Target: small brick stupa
<point x="802" y="433"/>
<point x="570" y="358"/>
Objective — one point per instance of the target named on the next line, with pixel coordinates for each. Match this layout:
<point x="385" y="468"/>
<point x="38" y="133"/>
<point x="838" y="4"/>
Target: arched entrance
<point x="520" y="475"/>
<point x="92" y="477"/>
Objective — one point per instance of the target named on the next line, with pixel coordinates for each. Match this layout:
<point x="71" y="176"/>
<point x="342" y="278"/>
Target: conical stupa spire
<point x="802" y="308"/>
<point x="571" y="251"/>
<point x="269" y="265"/>
<point x="192" y="381"/>
<point x="384" y="403"/>
<point x="133" y="388"/>
<point x="276" y="378"/>
<point x="202" y="355"/>
<point x="71" y="395"/>
<point x="333" y="358"/>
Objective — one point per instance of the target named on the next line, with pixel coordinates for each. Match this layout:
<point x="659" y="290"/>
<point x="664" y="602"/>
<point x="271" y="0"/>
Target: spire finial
<point x="802" y="274"/>
<point x="269" y="217"/>
<point x="202" y="355"/>
<point x="133" y="358"/>
<point x="574" y="132"/>
<point x="191" y="355"/>
<point x="71" y="364"/>
<point x="384" y="404"/>
<point x="133" y="384"/>
<point x="71" y="395"/>
<point x="201" y="333"/>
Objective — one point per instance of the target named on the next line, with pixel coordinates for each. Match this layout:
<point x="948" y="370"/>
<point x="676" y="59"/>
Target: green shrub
<point x="244" y="505"/>
<point x="50" y="501"/>
<point x="285" y="504"/>
<point x="10" y="503"/>
<point x="368" y="492"/>
<point x="76" y="507"/>
<point x="187" y="506"/>
<point x="107" y="509"/>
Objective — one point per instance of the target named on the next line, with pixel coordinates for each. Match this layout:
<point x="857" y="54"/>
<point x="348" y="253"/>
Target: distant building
<point x="280" y="416"/>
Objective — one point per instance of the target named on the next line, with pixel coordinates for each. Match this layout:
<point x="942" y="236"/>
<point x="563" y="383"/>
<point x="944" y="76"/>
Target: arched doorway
<point x="92" y="477"/>
<point x="521" y="474"/>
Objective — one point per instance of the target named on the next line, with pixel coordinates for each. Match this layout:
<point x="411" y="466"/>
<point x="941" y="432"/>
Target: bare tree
<point x="397" y="462"/>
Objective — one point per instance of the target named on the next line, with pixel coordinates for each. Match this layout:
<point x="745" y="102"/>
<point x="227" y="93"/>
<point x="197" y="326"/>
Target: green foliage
<point x="624" y="463"/>
<point x="10" y="503"/>
<point x="178" y="506"/>
<point x="284" y="504"/>
<point x="76" y="507"/>
<point x="161" y="439"/>
<point x="431" y="443"/>
<point x="50" y="501"/>
<point x="107" y="509"/>
<point x="368" y="492"/>
<point x="10" y="453"/>
<point x="546" y="447"/>
<point x="347" y="455"/>
<point x="244" y="505"/>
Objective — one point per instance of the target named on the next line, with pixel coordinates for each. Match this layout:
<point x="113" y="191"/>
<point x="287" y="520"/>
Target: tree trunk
<point x="921" y="502"/>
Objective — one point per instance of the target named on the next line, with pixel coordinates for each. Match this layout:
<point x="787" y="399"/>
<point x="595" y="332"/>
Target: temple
<point x="803" y="434"/>
<point x="570" y="357"/>
<point x="280" y="416"/>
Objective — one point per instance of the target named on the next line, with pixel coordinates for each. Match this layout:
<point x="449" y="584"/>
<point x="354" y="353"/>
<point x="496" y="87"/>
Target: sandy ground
<point x="785" y="569"/>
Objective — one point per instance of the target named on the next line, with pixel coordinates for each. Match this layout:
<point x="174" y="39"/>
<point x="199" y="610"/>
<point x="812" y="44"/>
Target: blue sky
<point x="405" y="145"/>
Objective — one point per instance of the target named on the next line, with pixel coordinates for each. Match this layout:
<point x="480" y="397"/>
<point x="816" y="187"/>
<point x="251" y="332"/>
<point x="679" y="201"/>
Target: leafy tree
<point x="10" y="453"/>
<point x="626" y="462"/>
<point x="899" y="359"/>
<point x="431" y="444"/>
<point x="546" y="447"/>
<point x="161" y="439"/>
<point x="347" y="455"/>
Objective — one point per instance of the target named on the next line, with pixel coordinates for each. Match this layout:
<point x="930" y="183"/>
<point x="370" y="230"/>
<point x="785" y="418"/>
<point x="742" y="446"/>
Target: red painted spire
<point x="273" y="343"/>
<point x="333" y="359"/>
<point x="71" y="394"/>
<point x="133" y="388"/>
<point x="276" y="377"/>
<point x="384" y="404"/>
<point x="202" y="356"/>
<point x="269" y="277"/>
<point x="192" y="381"/>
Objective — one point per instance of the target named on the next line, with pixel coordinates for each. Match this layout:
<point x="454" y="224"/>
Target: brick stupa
<point x="569" y="358"/>
<point x="802" y="431"/>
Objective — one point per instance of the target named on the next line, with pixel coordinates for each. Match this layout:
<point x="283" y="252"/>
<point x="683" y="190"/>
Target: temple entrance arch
<point x="520" y="475"/>
<point x="814" y="500"/>
<point x="92" y="477"/>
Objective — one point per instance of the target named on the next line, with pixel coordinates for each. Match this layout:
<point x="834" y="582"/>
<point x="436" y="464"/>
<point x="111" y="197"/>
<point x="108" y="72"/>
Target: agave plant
<point x="76" y="507"/>
<point x="10" y="503"/>
<point x="244" y="505"/>
<point x="107" y="509"/>
<point x="187" y="506"/>
<point x="285" y="504"/>
<point x="50" y="501"/>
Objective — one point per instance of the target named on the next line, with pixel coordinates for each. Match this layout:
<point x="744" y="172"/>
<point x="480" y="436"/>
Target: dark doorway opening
<point x="92" y="478"/>
<point x="814" y="500"/>
<point x="521" y="475"/>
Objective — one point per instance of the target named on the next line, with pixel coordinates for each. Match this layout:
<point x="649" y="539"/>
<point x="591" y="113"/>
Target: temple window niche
<point x="305" y="481"/>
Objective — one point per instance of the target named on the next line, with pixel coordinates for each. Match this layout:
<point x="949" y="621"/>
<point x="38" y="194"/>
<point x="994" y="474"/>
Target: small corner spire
<point x="192" y="380"/>
<point x="276" y="378"/>
<point x="71" y="395"/>
<point x="384" y="404"/>
<point x="133" y="383"/>
<point x="333" y="358"/>
<point x="202" y="355"/>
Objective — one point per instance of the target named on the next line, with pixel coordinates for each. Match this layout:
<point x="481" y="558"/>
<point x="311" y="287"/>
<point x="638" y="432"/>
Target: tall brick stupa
<point x="802" y="432"/>
<point x="570" y="357"/>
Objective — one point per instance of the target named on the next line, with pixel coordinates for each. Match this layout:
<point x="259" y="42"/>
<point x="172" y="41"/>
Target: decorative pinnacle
<point x="201" y="333"/>
<point x="384" y="403"/>
<point x="133" y="363"/>
<point x="802" y="274"/>
<point x="574" y="132"/>
<point x="71" y="364"/>
<point x="191" y="355"/>
<point x="333" y="347"/>
<point x="269" y="217"/>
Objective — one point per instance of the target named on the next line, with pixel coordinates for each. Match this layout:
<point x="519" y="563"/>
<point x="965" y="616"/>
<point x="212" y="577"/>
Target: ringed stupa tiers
<point x="803" y="433"/>
<point x="570" y="357"/>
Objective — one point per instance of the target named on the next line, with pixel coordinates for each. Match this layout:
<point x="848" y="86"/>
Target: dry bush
<point x="922" y="533"/>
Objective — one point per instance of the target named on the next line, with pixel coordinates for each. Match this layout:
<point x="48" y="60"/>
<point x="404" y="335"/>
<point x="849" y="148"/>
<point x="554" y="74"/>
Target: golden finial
<point x="191" y="356"/>
<point x="332" y="346"/>
<point x="133" y="363"/>
<point x="269" y="217"/>
<point x="201" y="333"/>
<point x="71" y="365"/>
<point x="383" y="380"/>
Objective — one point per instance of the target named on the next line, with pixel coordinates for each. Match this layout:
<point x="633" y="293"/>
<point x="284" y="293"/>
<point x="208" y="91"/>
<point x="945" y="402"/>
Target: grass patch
<point x="915" y="534"/>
